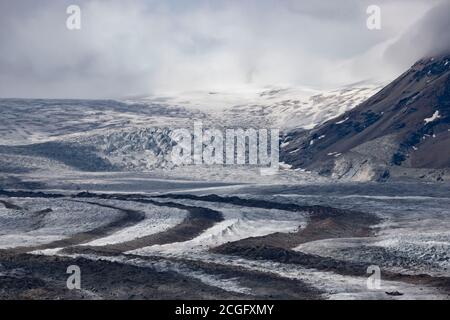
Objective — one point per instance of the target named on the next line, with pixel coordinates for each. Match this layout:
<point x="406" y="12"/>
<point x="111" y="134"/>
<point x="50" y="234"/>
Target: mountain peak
<point x="402" y="127"/>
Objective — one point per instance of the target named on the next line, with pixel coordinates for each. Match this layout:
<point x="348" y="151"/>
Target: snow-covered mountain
<point x="403" y="130"/>
<point x="135" y="133"/>
<point x="283" y="108"/>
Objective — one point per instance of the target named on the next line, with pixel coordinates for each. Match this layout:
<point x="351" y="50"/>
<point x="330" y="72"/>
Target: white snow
<point x="334" y="154"/>
<point x="342" y="121"/>
<point x="285" y="166"/>
<point x="239" y="223"/>
<point x="35" y="121"/>
<point x="434" y="117"/>
<point x="227" y="231"/>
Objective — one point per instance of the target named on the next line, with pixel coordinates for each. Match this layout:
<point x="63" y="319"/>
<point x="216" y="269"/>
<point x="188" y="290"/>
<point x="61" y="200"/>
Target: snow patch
<point x="226" y="231"/>
<point x="434" y="117"/>
<point x="342" y="121"/>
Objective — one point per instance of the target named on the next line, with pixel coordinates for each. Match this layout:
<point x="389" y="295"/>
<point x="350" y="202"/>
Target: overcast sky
<point x="155" y="46"/>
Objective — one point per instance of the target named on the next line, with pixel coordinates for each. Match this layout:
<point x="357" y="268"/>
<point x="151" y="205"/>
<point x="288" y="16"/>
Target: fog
<point x="150" y="47"/>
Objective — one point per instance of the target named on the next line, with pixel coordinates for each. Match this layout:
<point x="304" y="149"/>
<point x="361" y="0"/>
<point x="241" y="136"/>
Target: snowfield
<point x="136" y="134"/>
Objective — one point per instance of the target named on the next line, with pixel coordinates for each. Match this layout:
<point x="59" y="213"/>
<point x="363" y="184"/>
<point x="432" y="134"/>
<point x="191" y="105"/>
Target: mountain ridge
<point x="406" y="125"/>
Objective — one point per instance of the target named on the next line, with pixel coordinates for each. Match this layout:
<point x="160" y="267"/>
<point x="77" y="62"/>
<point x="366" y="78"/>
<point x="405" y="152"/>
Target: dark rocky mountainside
<point x="402" y="130"/>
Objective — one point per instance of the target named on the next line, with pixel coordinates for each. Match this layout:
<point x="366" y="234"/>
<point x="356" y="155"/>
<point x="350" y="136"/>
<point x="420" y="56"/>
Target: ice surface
<point x="157" y="219"/>
<point x="35" y="224"/>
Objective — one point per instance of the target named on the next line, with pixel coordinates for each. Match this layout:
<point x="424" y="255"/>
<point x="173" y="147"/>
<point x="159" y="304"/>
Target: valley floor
<point x="160" y="238"/>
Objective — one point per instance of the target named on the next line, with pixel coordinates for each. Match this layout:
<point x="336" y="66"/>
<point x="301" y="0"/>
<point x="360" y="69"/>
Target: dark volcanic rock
<point x="412" y="114"/>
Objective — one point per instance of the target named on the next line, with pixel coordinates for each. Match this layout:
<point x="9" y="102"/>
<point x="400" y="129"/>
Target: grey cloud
<point x="430" y="36"/>
<point x="133" y="47"/>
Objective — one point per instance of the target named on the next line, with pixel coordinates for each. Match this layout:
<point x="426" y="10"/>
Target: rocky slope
<point x="403" y="130"/>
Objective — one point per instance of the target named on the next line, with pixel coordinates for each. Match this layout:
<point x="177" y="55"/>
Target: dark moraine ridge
<point x="253" y="203"/>
<point x="33" y="277"/>
<point x="129" y="218"/>
<point x="325" y="224"/>
<point x="198" y="220"/>
<point x="9" y="205"/>
<point x="263" y="284"/>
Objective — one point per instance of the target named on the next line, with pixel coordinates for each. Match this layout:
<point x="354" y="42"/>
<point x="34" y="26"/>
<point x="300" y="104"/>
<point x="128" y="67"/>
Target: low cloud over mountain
<point x="145" y="46"/>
